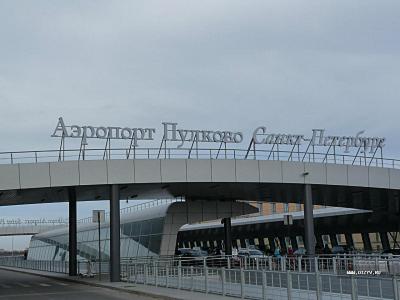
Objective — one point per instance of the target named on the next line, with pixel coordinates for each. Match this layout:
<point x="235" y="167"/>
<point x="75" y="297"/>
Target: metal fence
<point x="263" y="284"/>
<point x="382" y="265"/>
<point x="261" y="278"/>
<point x="39" y="265"/>
<point x="363" y="159"/>
<point x="83" y="267"/>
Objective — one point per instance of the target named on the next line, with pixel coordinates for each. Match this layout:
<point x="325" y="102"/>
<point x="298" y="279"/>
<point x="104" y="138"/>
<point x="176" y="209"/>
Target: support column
<point x="384" y="240"/>
<point x="282" y="242"/>
<point x="115" y="274"/>
<point x="227" y="235"/>
<point x="349" y="239"/>
<point x="219" y="244"/>
<point x="261" y="244"/>
<point x="333" y="239"/>
<point x="309" y="221"/>
<point x="366" y="241"/>
<point x="293" y="240"/>
<point x="72" y="243"/>
<point x="271" y="243"/>
<point x="319" y="241"/>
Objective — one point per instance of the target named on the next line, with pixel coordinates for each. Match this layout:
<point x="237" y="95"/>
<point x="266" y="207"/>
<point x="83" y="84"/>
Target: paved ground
<point x="14" y="285"/>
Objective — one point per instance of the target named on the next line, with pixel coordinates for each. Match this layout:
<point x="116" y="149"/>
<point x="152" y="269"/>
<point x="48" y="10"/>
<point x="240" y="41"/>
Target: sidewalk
<point x="138" y="289"/>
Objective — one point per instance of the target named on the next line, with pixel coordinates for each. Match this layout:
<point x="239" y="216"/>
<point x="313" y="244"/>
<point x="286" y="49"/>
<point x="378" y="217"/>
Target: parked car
<point x="252" y="253"/>
<point x="391" y="251"/>
<point x="300" y="251"/>
<point x="192" y="257"/>
<point x="338" y="250"/>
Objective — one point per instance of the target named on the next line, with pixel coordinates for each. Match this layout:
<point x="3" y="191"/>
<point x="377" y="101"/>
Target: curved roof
<point x="199" y="179"/>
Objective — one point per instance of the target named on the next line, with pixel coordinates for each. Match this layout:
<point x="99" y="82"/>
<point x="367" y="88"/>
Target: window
<point x="273" y="208"/>
<point x="286" y="207"/>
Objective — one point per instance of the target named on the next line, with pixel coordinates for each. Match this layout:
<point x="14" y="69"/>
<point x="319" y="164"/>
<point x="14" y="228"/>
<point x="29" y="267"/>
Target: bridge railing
<point x="364" y="159"/>
<point x="138" y="207"/>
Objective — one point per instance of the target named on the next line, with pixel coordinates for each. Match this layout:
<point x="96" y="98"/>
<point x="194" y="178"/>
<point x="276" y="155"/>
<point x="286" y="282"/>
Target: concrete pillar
<point x="261" y="244"/>
<point x="72" y="243"/>
<point x="227" y="235"/>
<point x="384" y="240"/>
<point x="115" y="274"/>
<point x="320" y="242"/>
<point x="333" y="239"/>
<point x="219" y="244"/>
<point x="309" y="220"/>
<point x="293" y="240"/>
<point x="271" y="243"/>
<point x="366" y="241"/>
<point x="282" y="242"/>
<point x="349" y="239"/>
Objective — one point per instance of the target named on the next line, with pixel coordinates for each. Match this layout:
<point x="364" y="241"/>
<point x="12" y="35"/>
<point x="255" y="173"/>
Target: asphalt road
<point x="14" y="285"/>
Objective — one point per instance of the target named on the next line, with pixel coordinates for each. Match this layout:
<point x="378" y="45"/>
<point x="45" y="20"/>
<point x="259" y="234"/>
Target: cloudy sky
<point x="288" y="65"/>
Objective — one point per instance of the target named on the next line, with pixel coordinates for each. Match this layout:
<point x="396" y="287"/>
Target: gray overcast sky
<point x="288" y="65"/>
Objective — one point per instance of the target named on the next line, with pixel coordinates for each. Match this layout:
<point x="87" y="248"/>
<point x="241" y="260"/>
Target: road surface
<point x="15" y="285"/>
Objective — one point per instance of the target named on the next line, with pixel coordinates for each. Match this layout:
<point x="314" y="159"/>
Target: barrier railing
<point x="264" y="284"/>
<point x="39" y="265"/>
<point x="382" y="265"/>
<point x="272" y="278"/>
<point x="138" y="207"/>
<point x="190" y="153"/>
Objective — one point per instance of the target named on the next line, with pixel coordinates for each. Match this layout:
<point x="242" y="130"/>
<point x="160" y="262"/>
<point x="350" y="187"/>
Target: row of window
<point x="375" y="240"/>
<point x="137" y="239"/>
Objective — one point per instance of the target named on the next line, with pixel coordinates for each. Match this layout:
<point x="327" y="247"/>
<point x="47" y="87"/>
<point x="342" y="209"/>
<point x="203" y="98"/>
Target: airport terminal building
<point x="215" y="177"/>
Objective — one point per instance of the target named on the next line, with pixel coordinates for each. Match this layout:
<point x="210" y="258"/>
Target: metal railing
<point x="382" y="265"/>
<point x="39" y="265"/>
<point x="264" y="284"/>
<point x="190" y="153"/>
<point x="138" y="207"/>
<point x="83" y="267"/>
<point x="253" y="278"/>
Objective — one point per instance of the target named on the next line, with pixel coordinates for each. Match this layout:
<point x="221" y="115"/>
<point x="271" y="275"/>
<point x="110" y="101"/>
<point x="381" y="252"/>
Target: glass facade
<point x="141" y="238"/>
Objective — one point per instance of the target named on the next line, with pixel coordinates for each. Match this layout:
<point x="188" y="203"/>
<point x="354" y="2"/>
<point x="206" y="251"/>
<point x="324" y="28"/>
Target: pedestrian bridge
<point x="215" y="174"/>
<point x="227" y="175"/>
<point x="16" y="227"/>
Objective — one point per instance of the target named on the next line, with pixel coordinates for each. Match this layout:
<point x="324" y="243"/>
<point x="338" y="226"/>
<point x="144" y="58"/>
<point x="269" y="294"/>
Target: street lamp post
<point x="98" y="216"/>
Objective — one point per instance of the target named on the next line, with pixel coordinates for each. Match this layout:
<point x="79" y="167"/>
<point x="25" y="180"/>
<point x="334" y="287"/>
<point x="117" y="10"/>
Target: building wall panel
<point x="34" y="175"/>
<point x="93" y="172"/>
<point x="147" y="170"/>
<point x="120" y="171"/>
<point x="336" y="174"/>
<point x="394" y="178"/>
<point x="173" y="170"/>
<point x="198" y="170"/>
<point x="378" y="177"/>
<point x="358" y="176"/>
<point x="247" y="171"/>
<point x="292" y="172"/>
<point x="223" y="170"/>
<point x="9" y="177"/>
<point x="270" y="171"/>
<point x="64" y="173"/>
<point x="316" y="173"/>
